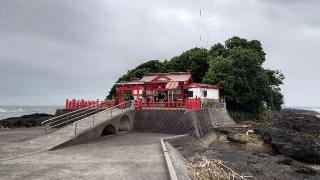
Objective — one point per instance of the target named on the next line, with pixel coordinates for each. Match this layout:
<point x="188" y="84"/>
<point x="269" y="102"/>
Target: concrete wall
<point x="206" y="119"/>
<point x="197" y="122"/>
<point x="162" y="121"/>
<point x="96" y="131"/>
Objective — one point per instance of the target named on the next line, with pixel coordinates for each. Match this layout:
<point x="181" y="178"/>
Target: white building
<point x="203" y="91"/>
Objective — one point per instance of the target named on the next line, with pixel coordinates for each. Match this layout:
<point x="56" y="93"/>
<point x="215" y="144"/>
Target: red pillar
<point x="73" y="104"/>
<point x="152" y="103"/>
<point x="89" y="104"/>
<point x="92" y="104"/>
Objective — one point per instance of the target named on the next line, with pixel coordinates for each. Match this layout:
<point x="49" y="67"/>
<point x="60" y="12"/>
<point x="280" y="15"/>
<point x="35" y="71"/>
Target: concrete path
<point x="128" y="156"/>
<point x="48" y="141"/>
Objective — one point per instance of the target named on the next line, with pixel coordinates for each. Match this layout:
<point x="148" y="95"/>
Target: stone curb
<point x="172" y="172"/>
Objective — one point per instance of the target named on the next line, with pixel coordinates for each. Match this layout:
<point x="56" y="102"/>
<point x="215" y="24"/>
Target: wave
<point x="17" y="111"/>
<point x="3" y="110"/>
<point x="318" y="111"/>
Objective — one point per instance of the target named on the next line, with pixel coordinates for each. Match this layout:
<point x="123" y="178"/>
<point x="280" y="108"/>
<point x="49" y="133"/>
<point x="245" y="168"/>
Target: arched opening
<point x="108" y="130"/>
<point x="124" y="124"/>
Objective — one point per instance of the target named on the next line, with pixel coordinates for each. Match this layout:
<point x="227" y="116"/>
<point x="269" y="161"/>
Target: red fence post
<point x="98" y="104"/>
<point x="73" y="104"/>
<point x="77" y="104"/>
<point x="192" y="104"/>
<point x="152" y="103"/>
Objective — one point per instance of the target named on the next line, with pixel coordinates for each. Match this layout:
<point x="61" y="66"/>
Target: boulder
<point x="25" y="121"/>
<point x="294" y="145"/>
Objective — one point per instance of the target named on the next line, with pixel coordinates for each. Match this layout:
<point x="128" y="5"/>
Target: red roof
<point x="166" y="77"/>
<point x="207" y="86"/>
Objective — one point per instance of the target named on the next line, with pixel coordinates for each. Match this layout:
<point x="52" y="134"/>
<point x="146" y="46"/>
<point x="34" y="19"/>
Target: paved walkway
<point x="128" y="156"/>
<point x="48" y="141"/>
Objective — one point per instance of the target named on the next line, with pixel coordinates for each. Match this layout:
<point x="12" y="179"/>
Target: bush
<point x="239" y="116"/>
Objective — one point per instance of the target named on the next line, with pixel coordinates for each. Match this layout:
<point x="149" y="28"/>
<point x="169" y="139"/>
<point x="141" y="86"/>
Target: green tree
<point x="237" y="67"/>
<point x="152" y="66"/>
<point x="194" y="60"/>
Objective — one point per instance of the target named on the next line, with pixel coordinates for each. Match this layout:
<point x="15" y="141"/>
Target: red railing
<point x="138" y="104"/>
<point x="176" y="105"/>
<point x="93" y="104"/>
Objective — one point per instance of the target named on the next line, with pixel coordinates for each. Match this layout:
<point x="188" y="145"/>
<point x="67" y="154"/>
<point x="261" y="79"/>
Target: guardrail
<point x="190" y="104"/>
<point x="122" y="107"/>
<point x="79" y="114"/>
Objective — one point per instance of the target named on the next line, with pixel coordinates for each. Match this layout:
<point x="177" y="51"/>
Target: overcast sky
<point x="51" y="50"/>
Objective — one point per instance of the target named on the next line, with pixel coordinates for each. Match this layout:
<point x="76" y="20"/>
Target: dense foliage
<point x="236" y="66"/>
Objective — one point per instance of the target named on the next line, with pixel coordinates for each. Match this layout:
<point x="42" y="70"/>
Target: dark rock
<point x="308" y="171"/>
<point x="25" y="121"/>
<point x="301" y="121"/>
<point x="291" y="144"/>
<point x="286" y="161"/>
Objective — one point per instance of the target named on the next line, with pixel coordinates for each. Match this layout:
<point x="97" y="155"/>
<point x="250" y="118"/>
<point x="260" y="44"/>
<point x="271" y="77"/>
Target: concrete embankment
<point x="197" y="122"/>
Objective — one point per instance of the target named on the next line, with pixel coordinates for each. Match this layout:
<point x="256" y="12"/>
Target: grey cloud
<point x="52" y="50"/>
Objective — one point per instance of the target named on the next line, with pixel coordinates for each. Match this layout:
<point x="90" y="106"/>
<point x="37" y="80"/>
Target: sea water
<point x="317" y="110"/>
<point x="17" y="111"/>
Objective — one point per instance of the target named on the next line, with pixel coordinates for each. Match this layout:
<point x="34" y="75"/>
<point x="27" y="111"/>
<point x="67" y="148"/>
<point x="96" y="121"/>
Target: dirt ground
<point x="250" y="162"/>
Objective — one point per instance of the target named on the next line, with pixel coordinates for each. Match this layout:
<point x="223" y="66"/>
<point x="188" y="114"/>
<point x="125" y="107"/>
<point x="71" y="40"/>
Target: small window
<point x="205" y="93"/>
<point x="190" y="93"/>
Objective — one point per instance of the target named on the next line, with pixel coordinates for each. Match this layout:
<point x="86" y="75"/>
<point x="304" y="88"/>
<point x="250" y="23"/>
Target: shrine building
<point x="166" y="87"/>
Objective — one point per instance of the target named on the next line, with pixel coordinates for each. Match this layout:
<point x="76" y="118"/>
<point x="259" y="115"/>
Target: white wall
<point x="213" y="93"/>
<point x="198" y="92"/>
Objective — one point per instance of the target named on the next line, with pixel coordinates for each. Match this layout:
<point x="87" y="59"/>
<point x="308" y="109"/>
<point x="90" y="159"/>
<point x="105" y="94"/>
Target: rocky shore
<point x="286" y="146"/>
<point x="31" y="120"/>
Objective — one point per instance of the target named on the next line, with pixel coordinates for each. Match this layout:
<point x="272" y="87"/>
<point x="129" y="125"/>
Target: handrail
<point x="66" y="121"/>
<point x="106" y="110"/>
<point x="85" y="111"/>
<point x="113" y="107"/>
<point x="77" y="114"/>
<point x="88" y="107"/>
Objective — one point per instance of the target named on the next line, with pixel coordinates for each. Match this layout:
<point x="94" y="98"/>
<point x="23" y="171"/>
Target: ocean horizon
<point x="17" y="111"/>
